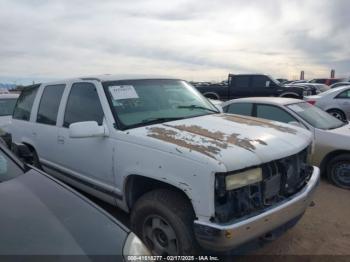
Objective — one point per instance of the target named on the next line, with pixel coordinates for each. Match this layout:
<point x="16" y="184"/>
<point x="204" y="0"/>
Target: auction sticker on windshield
<point x="123" y="92"/>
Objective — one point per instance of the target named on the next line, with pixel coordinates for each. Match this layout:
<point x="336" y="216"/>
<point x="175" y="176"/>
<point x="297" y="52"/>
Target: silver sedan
<point x="335" y="101"/>
<point x="331" y="136"/>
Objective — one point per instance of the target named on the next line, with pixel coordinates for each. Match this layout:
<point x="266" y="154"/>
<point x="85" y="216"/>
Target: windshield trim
<point x="343" y="124"/>
<point x="119" y="124"/>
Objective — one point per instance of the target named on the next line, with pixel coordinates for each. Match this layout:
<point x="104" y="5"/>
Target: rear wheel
<point x="337" y="114"/>
<point x="163" y="219"/>
<point x="338" y="171"/>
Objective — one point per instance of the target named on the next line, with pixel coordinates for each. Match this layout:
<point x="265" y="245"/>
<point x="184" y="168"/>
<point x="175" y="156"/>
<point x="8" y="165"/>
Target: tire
<point x="163" y="219"/>
<point x="338" y="171"/>
<point x="337" y="114"/>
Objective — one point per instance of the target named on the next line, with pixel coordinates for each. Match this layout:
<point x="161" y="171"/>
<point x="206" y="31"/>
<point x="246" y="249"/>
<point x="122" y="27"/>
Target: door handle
<point x="60" y="139"/>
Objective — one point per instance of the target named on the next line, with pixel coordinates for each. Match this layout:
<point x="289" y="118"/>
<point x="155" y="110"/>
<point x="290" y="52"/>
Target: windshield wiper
<point x="155" y="120"/>
<point x="199" y="107"/>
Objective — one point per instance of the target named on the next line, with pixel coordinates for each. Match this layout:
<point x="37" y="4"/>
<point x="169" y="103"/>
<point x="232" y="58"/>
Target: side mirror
<point x="86" y="129"/>
<point x="267" y="84"/>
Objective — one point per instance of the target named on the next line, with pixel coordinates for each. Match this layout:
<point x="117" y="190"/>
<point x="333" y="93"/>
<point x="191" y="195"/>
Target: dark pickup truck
<point x="248" y="85"/>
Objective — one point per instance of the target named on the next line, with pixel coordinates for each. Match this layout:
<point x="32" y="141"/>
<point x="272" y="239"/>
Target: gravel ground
<point x="323" y="230"/>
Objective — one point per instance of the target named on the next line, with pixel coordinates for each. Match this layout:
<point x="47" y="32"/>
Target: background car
<point x="332" y="137"/>
<point x="326" y="81"/>
<point x="339" y="84"/>
<point x="336" y="102"/>
<point x="42" y="216"/>
<point x="313" y="87"/>
<point x="7" y="104"/>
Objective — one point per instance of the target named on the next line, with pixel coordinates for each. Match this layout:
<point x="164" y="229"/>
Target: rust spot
<point x="210" y="144"/>
<point x="171" y="137"/>
<point x="219" y="138"/>
<point x="251" y="121"/>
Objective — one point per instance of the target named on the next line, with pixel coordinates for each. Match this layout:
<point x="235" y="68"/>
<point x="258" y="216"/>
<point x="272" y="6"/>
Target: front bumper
<point x="225" y="237"/>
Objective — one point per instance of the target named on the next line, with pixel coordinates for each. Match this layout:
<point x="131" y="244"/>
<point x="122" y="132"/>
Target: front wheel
<point x="338" y="171"/>
<point x="163" y="219"/>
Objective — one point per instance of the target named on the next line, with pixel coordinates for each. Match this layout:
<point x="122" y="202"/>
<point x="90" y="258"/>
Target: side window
<point x="240" y="109"/>
<point x="25" y="103"/>
<point x="259" y="82"/>
<point x="345" y="94"/>
<point x="7" y="106"/>
<point x="274" y="113"/>
<point x="83" y="105"/>
<point x="49" y="104"/>
<point x="242" y="82"/>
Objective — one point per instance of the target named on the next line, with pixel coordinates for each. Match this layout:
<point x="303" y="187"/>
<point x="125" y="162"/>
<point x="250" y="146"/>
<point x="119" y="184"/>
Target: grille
<point x="281" y="179"/>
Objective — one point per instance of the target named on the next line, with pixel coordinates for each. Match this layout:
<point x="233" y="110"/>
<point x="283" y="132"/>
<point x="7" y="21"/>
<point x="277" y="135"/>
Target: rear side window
<point x="274" y="113"/>
<point x="49" y="104"/>
<point x="345" y="94"/>
<point x="7" y="106"/>
<point x="25" y="103"/>
<point x="240" y="109"/>
<point x="83" y="105"/>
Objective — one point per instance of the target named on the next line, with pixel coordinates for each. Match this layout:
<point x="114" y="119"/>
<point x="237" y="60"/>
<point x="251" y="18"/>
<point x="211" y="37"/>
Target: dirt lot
<point x="323" y="230"/>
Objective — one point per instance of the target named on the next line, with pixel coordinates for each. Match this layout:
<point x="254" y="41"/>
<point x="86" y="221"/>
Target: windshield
<point x="7" y="106"/>
<point x="315" y="116"/>
<point x="143" y="102"/>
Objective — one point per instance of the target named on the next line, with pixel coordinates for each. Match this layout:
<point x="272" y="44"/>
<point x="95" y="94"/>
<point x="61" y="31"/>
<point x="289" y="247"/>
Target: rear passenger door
<point x="44" y="131"/>
<point x="239" y="86"/>
<point x="88" y="160"/>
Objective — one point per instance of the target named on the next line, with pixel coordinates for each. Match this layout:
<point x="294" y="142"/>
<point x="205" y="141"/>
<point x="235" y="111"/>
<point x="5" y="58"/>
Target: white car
<point x="332" y="137"/>
<point x="335" y="101"/>
<point x="7" y="104"/>
<point x="158" y="149"/>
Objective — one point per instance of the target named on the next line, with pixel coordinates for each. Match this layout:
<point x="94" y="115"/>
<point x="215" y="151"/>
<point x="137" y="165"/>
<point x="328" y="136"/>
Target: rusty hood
<point x="232" y="140"/>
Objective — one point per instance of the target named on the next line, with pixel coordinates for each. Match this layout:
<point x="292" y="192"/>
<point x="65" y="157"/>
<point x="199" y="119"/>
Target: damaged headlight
<point x="243" y="179"/>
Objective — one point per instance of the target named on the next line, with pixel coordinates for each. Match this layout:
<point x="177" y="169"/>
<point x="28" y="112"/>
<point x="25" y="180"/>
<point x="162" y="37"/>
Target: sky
<point x="189" y="39"/>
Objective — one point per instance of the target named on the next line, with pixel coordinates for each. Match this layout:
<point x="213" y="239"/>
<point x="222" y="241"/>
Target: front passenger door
<point x="88" y="158"/>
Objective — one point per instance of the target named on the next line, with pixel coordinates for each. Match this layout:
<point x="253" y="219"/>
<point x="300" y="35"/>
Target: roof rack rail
<point x="91" y="79"/>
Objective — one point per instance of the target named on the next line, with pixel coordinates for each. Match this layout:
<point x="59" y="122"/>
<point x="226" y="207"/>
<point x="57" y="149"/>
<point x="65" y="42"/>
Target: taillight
<point x="312" y="102"/>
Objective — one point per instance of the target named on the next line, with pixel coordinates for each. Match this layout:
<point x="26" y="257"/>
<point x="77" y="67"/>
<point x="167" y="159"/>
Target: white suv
<point x="157" y="148"/>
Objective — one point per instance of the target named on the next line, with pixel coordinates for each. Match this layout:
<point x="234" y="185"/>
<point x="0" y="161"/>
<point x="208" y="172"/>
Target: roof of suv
<point x="110" y="77"/>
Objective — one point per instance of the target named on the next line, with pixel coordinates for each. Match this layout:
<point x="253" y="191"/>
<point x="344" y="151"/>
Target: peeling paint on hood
<point x="235" y="141"/>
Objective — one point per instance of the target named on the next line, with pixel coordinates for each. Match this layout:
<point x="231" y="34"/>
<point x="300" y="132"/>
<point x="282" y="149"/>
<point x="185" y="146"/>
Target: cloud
<point x="191" y="39"/>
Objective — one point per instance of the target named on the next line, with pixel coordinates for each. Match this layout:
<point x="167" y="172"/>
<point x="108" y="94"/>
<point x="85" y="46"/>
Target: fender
<point x="289" y="93"/>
